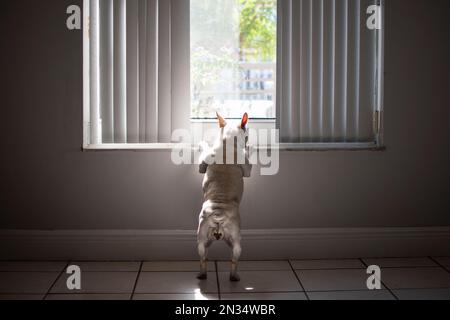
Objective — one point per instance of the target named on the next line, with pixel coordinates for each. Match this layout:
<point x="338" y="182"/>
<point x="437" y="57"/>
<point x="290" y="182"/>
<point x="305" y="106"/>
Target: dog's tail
<point x="218" y="231"/>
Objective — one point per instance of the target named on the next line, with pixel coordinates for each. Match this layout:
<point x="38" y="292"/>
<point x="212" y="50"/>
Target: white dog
<point x="223" y="186"/>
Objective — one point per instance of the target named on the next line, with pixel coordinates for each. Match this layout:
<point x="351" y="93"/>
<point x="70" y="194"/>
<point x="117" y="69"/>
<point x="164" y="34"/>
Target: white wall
<point x="47" y="182"/>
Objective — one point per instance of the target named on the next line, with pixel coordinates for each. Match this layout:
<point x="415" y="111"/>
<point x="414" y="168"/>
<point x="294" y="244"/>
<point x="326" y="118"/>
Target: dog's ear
<point x="244" y="121"/>
<point x="222" y="122"/>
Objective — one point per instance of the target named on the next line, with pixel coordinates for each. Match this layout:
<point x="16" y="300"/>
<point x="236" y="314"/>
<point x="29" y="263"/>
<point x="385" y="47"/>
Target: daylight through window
<point x="233" y="58"/>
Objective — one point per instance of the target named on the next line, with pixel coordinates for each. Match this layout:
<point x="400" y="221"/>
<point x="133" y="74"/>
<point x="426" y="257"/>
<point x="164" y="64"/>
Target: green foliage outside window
<point x="258" y="25"/>
<point x="225" y="33"/>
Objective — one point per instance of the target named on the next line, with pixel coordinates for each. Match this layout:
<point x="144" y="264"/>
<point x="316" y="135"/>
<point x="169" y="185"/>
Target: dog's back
<point x="222" y="193"/>
<point x="223" y="184"/>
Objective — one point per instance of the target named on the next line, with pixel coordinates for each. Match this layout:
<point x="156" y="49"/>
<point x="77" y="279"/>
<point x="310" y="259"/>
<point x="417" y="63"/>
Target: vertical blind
<point x="139" y="57"/>
<point x="327" y="71"/>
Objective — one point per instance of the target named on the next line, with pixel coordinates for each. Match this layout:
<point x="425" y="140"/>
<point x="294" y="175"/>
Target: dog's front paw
<point x="235" y="277"/>
<point x="202" y="276"/>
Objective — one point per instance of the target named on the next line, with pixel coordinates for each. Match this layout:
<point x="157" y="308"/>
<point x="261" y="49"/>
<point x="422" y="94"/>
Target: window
<point x="233" y="58"/>
<point x="313" y="69"/>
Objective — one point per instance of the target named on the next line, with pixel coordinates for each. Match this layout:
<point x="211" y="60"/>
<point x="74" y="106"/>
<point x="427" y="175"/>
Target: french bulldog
<point x="225" y="165"/>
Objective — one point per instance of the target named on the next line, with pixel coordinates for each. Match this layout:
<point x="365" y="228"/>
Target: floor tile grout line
<point x="56" y="280"/>
<point x="412" y="288"/>
<point x="298" y="279"/>
<point x="381" y="280"/>
<point x="232" y="293"/>
<point x="217" y="279"/>
<point x="29" y="271"/>
<point x="259" y="292"/>
<point x="137" y="279"/>
<point x="391" y="257"/>
<point x="116" y="293"/>
<point x="349" y="290"/>
<point x="138" y="261"/>
<point x="32" y="261"/>
<point x="439" y="264"/>
<point x="107" y="261"/>
<point x="245" y="270"/>
<point x="362" y="268"/>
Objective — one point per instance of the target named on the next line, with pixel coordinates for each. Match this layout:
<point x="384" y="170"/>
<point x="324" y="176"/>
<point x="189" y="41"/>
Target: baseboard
<point x="257" y="244"/>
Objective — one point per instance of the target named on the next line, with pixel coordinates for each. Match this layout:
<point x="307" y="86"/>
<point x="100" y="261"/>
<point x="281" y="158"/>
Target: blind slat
<point x="142" y="75"/>
<point x="132" y="7"/>
<point x="106" y="70"/>
<point x="164" y="73"/>
<point x="367" y="96"/>
<point x="328" y="69"/>
<point x="94" y="54"/>
<point x="291" y="77"/>
<point x="317" y="71"/>
<point x="340" y="83"/>
<point x="151" y="72"/>
<point x="120" y="72"/>
<point x="305" y="70"/>
<point x="180" y="66"/>
<point x="294" y="75"/>
<point x="353" y="71"/>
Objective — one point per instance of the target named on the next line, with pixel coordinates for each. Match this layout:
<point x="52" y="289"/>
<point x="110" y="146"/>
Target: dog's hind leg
<point x="235" y="244"/>
<point x="202" y="245"/>
<point x="236" y="253"/>
<point x="202" y="251"/>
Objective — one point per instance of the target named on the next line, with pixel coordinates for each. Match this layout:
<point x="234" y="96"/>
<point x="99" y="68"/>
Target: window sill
<point x="282" y="147"/>
<point x="251" y="120"/>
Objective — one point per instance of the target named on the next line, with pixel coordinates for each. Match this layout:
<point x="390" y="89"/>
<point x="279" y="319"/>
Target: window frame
<point x="376" y="145"/>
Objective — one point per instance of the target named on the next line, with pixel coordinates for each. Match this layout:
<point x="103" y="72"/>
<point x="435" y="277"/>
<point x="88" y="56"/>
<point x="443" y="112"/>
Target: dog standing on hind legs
<point x="223" y="186"/>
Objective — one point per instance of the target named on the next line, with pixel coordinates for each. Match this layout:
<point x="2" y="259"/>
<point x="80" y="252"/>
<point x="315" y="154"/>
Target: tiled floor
<point x="402" y="278"/>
